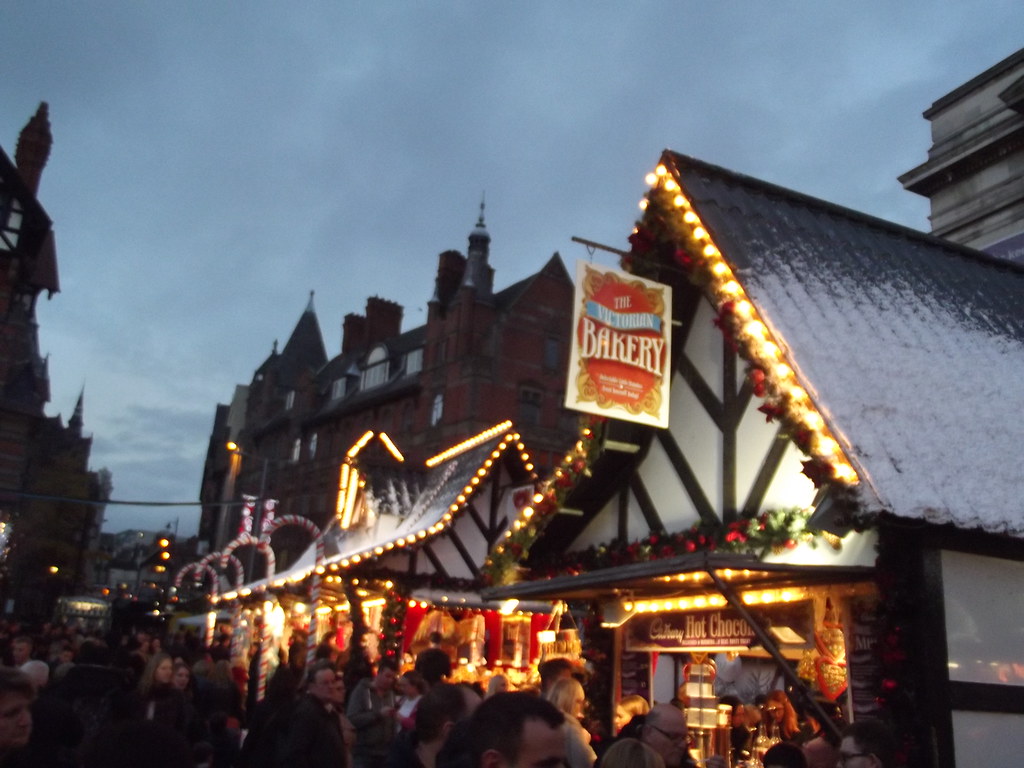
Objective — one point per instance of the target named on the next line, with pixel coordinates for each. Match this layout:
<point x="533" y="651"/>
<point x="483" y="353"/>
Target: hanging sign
<point x="622" y="339"/>
<point x="722" y="629"/>
<point x="622" y="334"/>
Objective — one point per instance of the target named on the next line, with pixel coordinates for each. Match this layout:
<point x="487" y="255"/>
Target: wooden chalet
<point x="404" y="556"/>
<point x="841" y="473"/>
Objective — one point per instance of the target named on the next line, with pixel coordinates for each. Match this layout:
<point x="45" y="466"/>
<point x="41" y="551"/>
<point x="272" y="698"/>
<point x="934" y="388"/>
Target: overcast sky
<point x="213" y="162"/>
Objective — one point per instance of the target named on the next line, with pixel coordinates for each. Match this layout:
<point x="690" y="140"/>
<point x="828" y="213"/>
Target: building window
<point x="289" y="400"/>
<point x="296" y="449"/>
<point x="437" y="409"/>
<point x="529" y="405"/>
<point x="551" y="356"/>
<point x="10" y="221"/>
<point x="414" y="361"/>
<point x="376" y="371"/>
<point x="312" y="445"/>
<point x="408" y="418"/>
<point x="337" y="389"/>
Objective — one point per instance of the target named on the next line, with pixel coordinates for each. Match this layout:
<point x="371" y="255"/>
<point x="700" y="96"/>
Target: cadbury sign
<point x="622" y="333"/>
<point x="711" y="629"/>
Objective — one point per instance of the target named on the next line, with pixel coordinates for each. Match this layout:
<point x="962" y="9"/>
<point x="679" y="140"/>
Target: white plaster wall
<point x="666" y="490"/>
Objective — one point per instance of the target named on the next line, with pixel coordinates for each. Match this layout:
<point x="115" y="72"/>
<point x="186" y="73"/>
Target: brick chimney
<point x="33" y="148"/>
<point x="383" y="319"/>
<point x="353" y="333"/>
<point x="450" y="267"/>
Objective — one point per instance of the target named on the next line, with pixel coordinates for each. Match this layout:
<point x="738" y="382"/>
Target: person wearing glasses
<point x="665" y="732"/>
<point x="867" y="744"/>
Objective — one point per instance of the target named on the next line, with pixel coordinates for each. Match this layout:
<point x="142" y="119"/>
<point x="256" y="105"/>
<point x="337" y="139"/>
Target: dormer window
<point x="414" y="361"/>
<point x="376" y="371"/>
<point x="337" y="389"/>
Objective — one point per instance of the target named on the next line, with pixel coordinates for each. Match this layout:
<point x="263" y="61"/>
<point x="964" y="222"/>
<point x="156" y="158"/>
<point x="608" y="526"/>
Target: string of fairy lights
<point x="770" y="371"/>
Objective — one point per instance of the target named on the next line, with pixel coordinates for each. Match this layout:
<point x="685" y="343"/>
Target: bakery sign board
<point x="619" y="365"/>
<point x="790" y="624"/>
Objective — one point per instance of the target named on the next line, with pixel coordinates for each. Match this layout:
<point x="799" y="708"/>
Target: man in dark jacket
<point x="314" y="736"/>
<point x="371" y="710"/>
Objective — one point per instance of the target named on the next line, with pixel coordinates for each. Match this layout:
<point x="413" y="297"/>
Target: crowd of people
<point x="75" y="700"/>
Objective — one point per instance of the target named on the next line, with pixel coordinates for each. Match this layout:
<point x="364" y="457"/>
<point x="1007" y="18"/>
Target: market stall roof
<point x="410" y="509"/>
<point x="675" y="577"/>
<point x="912" y="347"/>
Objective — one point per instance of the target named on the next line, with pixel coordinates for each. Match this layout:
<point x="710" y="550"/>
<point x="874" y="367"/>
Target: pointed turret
<point x="305" y="347"/>
<point x="478" y="275"/>
<point x="33" y="148"/>
<point x="76" y="421"/>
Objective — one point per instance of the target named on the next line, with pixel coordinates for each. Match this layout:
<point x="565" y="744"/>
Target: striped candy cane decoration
<point x="314" y="589"/>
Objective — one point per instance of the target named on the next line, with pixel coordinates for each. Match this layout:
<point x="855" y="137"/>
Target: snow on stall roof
<point x="404" y="504"/>
<point x="912" y="348"/>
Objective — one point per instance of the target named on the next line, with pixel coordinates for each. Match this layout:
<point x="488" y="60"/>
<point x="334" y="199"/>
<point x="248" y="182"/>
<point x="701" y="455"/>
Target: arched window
<point x="376" y="371"/>
<point x="437" y="409"/>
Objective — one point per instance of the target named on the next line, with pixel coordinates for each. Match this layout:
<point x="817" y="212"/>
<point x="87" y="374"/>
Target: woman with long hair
<point x="568" y="696"/>
<point x="780" y="716"/>
<point x="412" y="686"/>
<point x="628" y="708"/>
<point x="157" y="699"/>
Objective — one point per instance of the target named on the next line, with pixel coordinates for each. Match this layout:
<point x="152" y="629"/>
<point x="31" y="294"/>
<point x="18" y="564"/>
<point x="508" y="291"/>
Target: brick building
<point x="48" y="531"/>
<point x="483" y="356"/>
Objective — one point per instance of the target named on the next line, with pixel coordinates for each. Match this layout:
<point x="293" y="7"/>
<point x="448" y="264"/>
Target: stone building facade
<point x="974" y="175"/>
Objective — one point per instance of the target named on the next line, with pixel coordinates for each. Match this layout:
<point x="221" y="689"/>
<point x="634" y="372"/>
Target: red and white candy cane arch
<point x="222" y="561"/>
<point x="201" y="569"/>
<point x="314" y="590"/>
<point x="206" y="569"/>
<point x="262" y="545"/>
<point x="215" y="559"/>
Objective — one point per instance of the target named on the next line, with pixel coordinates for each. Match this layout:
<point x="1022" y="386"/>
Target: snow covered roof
<point x="407" y="509"/>
<point x="911" y="347"/>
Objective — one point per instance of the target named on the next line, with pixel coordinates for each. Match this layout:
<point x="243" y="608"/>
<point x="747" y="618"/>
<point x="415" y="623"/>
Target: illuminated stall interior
<point x="403" y="557"/>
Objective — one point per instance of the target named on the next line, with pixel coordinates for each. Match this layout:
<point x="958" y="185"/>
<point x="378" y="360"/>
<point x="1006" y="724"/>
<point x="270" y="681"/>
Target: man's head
<point x="552" y="670"/>
<point x="664" y="731"/>
<point x="387" y="673"/>
<point x="21" y="650"/>
<point x="15" y="713"/>
<point x="434" y="664"/>
<point x="320" y="681"/>
<point x="517" y="730"/>
<point x="38" y="672"/>
<point x="440" y="709"/>
<point x="867" y="744"/>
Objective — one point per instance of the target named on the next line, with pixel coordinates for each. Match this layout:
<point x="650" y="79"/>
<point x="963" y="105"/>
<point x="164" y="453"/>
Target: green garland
<point x="502" y="565"/>
<point x="774" y="531"/>
<point x="392" y="619"/>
